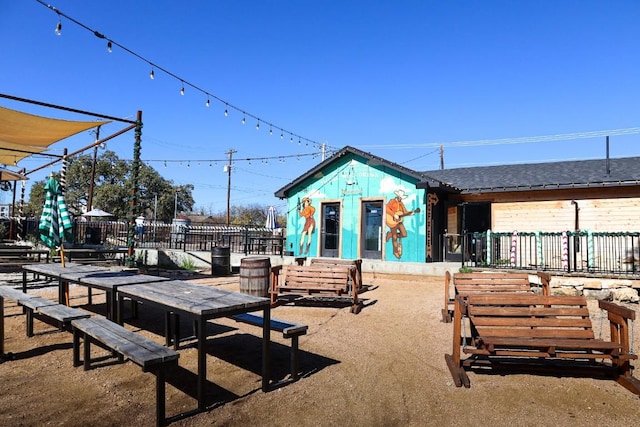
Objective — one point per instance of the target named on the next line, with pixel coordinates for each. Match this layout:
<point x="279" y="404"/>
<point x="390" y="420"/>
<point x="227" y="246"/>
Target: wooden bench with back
<point x="489" y="282"/>
<point x="540" y="333"/>
<point x="321" y="279"/>
<point x="357" y="263"/>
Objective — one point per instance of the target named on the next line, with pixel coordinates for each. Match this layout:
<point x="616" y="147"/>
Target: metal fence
<point x="247" y="239"/>
<point x="570" y="251"/>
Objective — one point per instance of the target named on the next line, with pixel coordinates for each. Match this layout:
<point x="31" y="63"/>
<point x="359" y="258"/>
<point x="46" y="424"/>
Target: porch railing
<point x="569" y="251"/>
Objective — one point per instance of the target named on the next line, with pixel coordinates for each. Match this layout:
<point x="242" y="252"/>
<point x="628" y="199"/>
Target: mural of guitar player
<point x="394" y="214"/>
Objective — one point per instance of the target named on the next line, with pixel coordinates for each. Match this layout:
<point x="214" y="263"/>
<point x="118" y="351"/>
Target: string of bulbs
<point x="249" y="160"/>
<point x="209" y="96"/>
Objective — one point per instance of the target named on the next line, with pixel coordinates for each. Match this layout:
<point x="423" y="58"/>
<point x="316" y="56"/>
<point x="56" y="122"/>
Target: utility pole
<point x="228" y="170"/>
<point x="441" y="158"/>
<point x="93" y="172"/>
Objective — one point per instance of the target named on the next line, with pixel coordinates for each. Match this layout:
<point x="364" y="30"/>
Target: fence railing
<point x="571" y="251"/>
<point x="247" y="239"/>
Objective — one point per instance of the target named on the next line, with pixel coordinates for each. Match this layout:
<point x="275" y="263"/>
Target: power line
<point x="510" y="141"/>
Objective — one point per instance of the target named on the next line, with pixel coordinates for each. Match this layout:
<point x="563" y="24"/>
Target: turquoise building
<point x="356" y="205"/>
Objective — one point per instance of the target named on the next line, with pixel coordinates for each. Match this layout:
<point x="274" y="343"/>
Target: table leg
<point x="1" y="326"/>
<point x="266" y="349"/>
<point x="111" y="303"/>
<point x="202" y="363"/>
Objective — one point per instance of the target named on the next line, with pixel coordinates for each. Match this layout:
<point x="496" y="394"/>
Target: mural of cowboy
<point x="394" y="214"/>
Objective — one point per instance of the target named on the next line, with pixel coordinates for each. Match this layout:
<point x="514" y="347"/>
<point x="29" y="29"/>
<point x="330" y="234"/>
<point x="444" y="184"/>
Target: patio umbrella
<point x="55" y="223"/>
<point x="97" y="213"/>
<point x="271" y="222"/>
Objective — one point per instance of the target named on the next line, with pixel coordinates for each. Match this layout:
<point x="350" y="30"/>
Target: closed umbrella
<point x="55" y="223"/>
<point x="271" y="222"/>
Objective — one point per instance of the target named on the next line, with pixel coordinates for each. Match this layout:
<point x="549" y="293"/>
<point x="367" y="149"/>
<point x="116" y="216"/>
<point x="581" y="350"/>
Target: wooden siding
<point x="615" y="214"/>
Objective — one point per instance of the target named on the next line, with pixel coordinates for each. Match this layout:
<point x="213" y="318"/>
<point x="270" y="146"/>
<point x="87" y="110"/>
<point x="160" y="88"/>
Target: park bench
<point x="489" y="282"/>
<point x="357" y="263"/>
<point x="149" y="355"/>
<point x="540" y="333"/>
<point x="289" y="330"/>
<point x="321" y="279"/>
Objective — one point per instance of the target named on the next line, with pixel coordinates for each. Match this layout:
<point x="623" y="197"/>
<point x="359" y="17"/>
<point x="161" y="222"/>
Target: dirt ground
<point x="382" y="367"/>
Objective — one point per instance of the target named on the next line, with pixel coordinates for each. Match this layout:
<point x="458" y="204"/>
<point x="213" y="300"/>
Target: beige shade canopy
<point x="8" y="175"/>
<point x="22" y="134"/>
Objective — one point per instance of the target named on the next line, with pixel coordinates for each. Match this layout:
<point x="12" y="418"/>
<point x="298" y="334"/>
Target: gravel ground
<point x="382" y="367"/>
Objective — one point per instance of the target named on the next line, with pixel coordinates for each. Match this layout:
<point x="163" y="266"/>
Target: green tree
<point x="112" y="190"/>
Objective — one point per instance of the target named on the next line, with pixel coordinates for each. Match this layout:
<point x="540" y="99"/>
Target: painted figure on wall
<point x="307" y="211"/>
<point x="395" y="213"/>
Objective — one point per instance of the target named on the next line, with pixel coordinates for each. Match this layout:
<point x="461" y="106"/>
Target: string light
<point x="258" y="125"/>
<point x="270" y="131"/>
<point x="207" y="103"/>
<point x="58" y="29"/>
<point x="243" y="120"/>
<point x="111" y="43"/>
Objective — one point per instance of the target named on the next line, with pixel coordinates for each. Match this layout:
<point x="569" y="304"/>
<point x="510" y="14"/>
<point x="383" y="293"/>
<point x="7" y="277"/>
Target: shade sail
<point x="23" y="134"/>
<point x="7" y="175"/>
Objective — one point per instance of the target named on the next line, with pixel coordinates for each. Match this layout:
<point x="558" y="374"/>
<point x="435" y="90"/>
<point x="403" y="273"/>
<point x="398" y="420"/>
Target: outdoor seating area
<point x="317" y="280"/>
<point x="533" y="333"/>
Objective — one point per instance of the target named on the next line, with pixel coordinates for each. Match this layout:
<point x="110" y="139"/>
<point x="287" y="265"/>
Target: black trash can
<point x="220" y="260"/>
<point x="93" y="236"/>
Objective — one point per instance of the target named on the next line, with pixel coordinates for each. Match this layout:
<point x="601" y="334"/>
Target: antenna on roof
<point x="607" y="163"/>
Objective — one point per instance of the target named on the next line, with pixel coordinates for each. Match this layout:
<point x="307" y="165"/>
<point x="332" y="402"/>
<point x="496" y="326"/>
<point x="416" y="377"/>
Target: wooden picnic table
<point x="90" y="276"/>
<point x="202" y="303"/>
<point x="93" y="254"/>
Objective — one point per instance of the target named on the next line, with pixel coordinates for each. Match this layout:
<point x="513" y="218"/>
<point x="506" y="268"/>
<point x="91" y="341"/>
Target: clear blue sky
<point x="394" y="78"/>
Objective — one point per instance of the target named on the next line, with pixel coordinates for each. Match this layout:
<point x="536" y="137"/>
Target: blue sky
<point x="396" y="79"/>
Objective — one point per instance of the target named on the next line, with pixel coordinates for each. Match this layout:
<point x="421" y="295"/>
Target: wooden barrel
<point x="254" y="276"/>
<point x="220" y="260"/>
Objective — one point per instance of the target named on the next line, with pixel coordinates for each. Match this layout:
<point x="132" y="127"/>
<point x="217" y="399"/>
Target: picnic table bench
<point x="536" y="332"/>
<point x="489" y="282"/>
<point x="149" y="355"/>
<point x="14" y="256"/>
<point x="37" y="307"/>
<point x="288" y="329"/>
<point x="320" y="279"/>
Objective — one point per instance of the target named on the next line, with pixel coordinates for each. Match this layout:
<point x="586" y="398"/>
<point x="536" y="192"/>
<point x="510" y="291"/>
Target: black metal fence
<point x="247" y="239"/>
<point x="570" y="251"/>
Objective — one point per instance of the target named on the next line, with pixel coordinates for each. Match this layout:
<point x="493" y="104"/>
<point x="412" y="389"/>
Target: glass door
<point x="371" y="235"/>
<point x="330" y="233"/>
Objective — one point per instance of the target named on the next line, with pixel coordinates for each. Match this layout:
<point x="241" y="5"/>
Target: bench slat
<point x="140" y="350"/>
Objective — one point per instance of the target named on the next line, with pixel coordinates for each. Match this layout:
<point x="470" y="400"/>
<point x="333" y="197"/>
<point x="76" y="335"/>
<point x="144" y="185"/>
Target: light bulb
<point x="243" y="121"/>
<point x="298" y="142"/>
<point x="109" y="46"/>
<point x="281" y="135"/>
<point x="182" y="89"/>
<point x="270" y="131"/>
<point x="226" y="112"/>
<point x="152" y="75"/>
<point x="291" y="139"/>
<point x="258" y="126"/>
<point x="207" y="103"/>
<point x="58" y="29"/>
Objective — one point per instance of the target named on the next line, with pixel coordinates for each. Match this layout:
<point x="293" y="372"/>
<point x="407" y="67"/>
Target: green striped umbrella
<point x="55" y="223"/>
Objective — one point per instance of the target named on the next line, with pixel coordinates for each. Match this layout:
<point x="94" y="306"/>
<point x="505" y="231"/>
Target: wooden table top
<point x="196" y="299"/>
<point x="55" y="270"/>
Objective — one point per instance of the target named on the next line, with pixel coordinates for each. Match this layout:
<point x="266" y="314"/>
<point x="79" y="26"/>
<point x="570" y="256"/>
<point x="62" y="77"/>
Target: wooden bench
<point x="357" y="263"/>
<point x="37" y="307"/>
<point x="288" y="329"/>
<point x="319" y="279"/>
<point x="490" y="282"/>
<point x="536" y="332"/>
<point x="149" y="355"/>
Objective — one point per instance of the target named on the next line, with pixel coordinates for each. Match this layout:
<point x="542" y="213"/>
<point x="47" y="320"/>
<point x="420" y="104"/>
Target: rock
<point x="565" y="291"/>
<point x="603" y="294"/>
<point x="625" y="295"/>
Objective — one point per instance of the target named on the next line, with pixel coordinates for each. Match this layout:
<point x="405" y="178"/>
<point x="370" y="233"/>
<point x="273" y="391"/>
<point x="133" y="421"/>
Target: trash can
<point x="220" y="261"/>
<point x="93" y="236"/>
<point x="255" y="276"/>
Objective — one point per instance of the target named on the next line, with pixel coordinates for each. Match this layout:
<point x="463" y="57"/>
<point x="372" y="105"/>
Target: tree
<point x="111" y="190"/>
